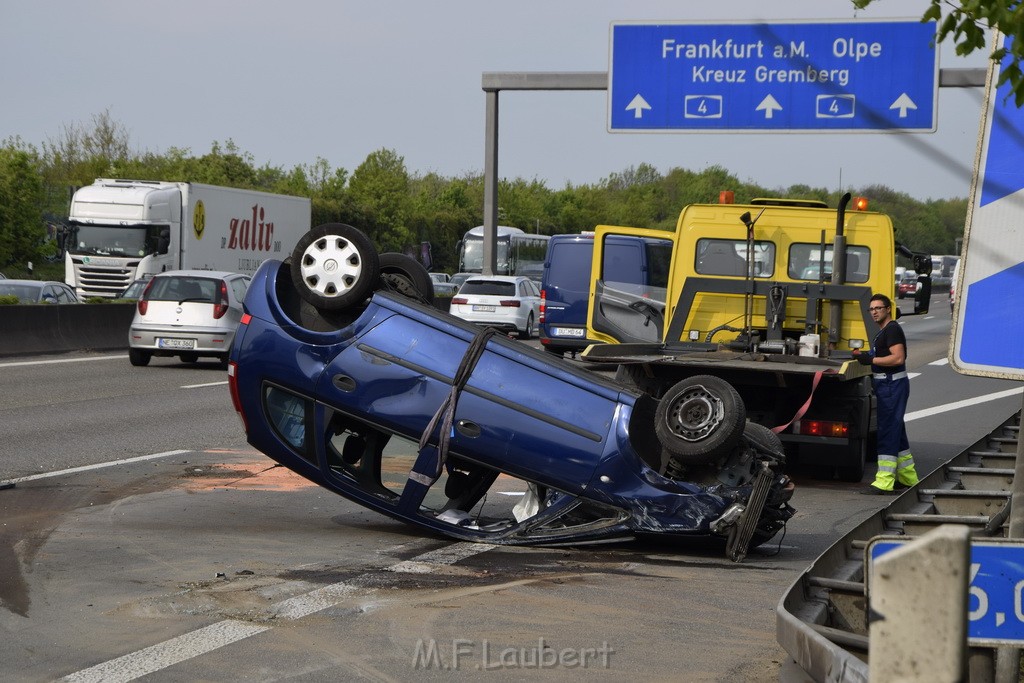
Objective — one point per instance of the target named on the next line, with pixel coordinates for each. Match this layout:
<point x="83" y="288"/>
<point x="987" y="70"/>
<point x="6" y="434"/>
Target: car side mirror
<point x="923" y="296"/>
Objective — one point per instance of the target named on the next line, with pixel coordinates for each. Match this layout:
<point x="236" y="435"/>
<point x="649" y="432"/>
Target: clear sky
<point x="338" y="79"/>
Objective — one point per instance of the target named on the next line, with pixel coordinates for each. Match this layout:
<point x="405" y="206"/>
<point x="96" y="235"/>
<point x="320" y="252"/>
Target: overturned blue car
<point x="343" y="371"/>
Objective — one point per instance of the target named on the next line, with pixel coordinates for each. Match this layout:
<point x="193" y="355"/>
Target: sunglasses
<point x="877" y="308"/>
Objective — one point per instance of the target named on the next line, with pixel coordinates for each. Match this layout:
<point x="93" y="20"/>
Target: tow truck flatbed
<point x="679" y="355"/>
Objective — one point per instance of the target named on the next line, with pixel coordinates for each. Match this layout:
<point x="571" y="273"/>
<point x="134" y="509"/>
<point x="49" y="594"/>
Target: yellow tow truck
<point x="755" y="318"/>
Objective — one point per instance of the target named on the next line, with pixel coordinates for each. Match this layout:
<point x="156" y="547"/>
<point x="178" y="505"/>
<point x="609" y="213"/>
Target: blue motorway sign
<point x="806" y="76"/>
<point x="995" y="607"/>
<point x="991" y="277"/>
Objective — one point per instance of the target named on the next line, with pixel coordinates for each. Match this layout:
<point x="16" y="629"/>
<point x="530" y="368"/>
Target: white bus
<point x="518" y="252"/>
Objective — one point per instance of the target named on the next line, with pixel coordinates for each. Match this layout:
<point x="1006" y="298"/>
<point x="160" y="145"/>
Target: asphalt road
<point x="192" y="558"/>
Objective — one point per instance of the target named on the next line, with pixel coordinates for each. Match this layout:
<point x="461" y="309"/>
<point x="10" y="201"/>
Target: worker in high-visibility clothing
<point x="888" y="357"/>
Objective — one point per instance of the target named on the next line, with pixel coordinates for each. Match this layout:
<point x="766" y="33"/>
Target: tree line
<point x="398" y="208"/>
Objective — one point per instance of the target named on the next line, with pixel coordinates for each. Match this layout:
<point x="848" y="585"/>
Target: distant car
<point x="39" y="291"/>
<point x="952" y="286"/>
<point x="445" y="289"/>
<point x="189" y="314"/>
<point x="416" y="414"/>
<point x="510" y="303"/>
<point x="908" y="284"/>
<point x="440" y="277"/>
<point x="459" y="278"/>
<point x="135" y="289"/>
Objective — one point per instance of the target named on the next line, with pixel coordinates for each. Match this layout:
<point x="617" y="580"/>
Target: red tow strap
<point x="805" y="406"/>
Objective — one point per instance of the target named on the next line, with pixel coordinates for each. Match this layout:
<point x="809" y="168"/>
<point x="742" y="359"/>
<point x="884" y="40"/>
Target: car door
<point x="531" y="297"/>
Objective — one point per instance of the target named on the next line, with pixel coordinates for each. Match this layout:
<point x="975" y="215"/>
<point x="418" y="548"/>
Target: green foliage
<point x="22" y="232"/>
<point x="8" y="300"/>
<point x="398" y="209"/>
<point x="967" y="22"/>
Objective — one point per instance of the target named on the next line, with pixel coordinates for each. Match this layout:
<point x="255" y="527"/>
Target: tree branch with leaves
<point x="968" y="24"/>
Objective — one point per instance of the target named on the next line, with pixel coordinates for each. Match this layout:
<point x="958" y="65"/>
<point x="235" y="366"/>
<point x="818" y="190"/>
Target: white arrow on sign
<point x="638" y="104"/>
<point x="903" y="103"/>
<point x="769" y="105"/>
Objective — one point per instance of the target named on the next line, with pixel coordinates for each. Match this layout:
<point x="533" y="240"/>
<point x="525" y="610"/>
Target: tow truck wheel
<point x="700" y="419"/>
<point x="856" y="459"/>
<point x="405" y="275"/>
<point x="334" y="266"/>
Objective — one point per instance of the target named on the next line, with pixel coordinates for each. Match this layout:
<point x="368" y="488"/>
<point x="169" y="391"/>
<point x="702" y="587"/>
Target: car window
<point x="728" y="257"/>
<point x="805" y="261"/>
<point x="65" y="296"/>
<point x="239" y="287"/>
<point x="185" y="288"/>
<point x="488" y="288"/>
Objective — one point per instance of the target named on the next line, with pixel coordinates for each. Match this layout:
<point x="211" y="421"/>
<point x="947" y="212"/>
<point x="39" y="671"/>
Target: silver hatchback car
<point x="189" y="314"/>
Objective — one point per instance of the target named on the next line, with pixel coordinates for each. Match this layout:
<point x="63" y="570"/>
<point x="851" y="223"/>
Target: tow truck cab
<point x="772" y="296"/>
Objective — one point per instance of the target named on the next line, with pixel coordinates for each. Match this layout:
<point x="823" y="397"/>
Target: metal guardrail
<point x="821" y="621"/>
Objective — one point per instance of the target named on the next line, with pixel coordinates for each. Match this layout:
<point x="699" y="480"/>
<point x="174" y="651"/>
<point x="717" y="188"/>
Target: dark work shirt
<point x="887" y="337"/>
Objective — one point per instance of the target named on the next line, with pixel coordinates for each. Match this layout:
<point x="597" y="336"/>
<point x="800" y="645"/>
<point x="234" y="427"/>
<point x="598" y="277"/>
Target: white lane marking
<point x="205" y="384"/>
<point x="190" y="645"/>
<point x="967" y="402"/>
<point x="61" y="360"/>
<point x="167" y="653"/>
<point x="912" y="375"/>
<point x="941" y="361"/>
<point x="97" y="466"/>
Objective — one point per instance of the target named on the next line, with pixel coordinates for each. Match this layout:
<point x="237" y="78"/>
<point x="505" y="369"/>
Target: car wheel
<point x="527" y="333"/>
<point x="189" y="357"/>
<point x="405" y="275"/>
<point x="334" y="266"/>
<point x="700" y="419"/>
<point x="764" y="439"/>
<point x="138" y="357"/>
<point x="222" y="361"/>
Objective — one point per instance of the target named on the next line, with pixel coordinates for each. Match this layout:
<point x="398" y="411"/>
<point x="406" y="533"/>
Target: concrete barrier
<point x="49" y="328"/>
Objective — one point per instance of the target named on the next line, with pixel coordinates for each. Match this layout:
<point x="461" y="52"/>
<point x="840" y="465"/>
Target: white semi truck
<point x="121" y="230"/>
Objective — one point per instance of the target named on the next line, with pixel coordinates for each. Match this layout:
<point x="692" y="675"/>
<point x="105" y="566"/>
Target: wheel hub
<point x="331" y="266"/>
<point x="696" y="414"/>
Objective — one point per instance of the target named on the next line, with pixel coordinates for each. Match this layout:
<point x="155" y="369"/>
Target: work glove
<point x="864" y="358"/>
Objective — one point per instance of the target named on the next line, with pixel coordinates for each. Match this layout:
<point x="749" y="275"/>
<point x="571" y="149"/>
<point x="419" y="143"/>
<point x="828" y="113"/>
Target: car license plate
<point x="483" y="309"/>
<point x="176" y="343"/>
<point x="568" y="332"/>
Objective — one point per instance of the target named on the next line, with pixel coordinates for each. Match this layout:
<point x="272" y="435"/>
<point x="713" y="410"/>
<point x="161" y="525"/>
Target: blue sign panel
<point x="992" y="273"/>
<point x="995" y="607"/>
<point x="812" y="77"/>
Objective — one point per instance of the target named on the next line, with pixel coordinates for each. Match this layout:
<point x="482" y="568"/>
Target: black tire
<point x="222" y="361"/>
<point x="528" y="332"/>
<point x="853" y="469"/>
<point x="189" y="357"/>
<point x="700" y="419"/>
<point x="764" y="439"/>
<point x="138" y="357"/>
<point x="334" y="266"/>
<point x="407" y="276"/>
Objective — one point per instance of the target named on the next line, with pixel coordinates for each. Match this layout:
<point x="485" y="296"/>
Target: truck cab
<point x="771" y="296"/>
<point x="118" y="231"/>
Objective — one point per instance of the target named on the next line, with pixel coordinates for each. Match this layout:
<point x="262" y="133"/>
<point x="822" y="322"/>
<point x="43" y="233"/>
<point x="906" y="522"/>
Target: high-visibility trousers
<point x="895" y="462"/>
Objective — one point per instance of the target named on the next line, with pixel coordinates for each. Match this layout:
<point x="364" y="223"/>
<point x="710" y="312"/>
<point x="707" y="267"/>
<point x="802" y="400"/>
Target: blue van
<point x="565" y="285"/>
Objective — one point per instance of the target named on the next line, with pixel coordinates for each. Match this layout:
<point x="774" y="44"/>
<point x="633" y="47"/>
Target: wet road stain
<point x="31" y="511"/>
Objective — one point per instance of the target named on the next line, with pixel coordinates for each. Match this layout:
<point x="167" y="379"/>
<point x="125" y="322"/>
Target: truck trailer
<point x="766" y="303"/>
<point x="122" y="230"/>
